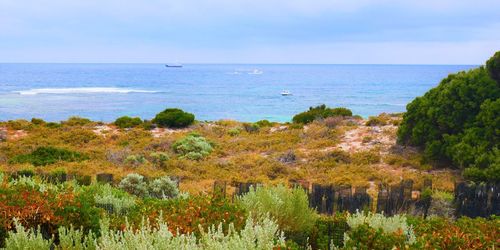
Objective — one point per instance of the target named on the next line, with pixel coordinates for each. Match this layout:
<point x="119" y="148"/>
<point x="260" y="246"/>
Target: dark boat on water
<point x="173" y="65"/>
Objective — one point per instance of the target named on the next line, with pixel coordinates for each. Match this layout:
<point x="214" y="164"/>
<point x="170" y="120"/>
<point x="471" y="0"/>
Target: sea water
<point x="104" y="92"/>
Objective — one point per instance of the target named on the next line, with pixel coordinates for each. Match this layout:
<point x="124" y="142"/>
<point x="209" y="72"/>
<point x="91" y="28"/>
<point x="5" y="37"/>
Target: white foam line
<point x="92" y="90"/>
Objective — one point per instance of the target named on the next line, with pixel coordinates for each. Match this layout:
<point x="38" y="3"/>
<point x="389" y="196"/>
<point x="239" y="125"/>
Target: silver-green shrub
<point x="379" y="221"/>
<point x="163" y="188"/>
<point x="260" y="235"/>
<point x="193" y="147"/>
<point x="108" y="196"/>
<point x="26" y="239"/>
<point x="134" y="184"/>
<point x="159" y="158"/>
<point x="289" y="207"/>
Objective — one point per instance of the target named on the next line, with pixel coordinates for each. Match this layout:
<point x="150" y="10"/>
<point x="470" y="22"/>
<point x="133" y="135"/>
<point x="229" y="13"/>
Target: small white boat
<point x="256" y="72"/>
<point x="286" y="93"/>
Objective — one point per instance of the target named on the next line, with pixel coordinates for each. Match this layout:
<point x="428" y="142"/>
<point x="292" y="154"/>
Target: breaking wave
<point x="92" y="90"/>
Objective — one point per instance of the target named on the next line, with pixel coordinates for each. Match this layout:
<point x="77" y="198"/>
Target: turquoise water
<point x="104" y="92"/>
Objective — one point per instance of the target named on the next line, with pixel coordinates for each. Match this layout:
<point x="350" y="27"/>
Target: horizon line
<point x="248" y="63"/>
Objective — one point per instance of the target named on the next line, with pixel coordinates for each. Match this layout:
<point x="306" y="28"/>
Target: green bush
<point x="128" y="122"/>
<point x="174" y="118"/>
<point x="118" y="200"/>
<point x="457" y="122"/>
<point x="37" y="121"/>
<point x="134" y="184"/>
<point x="48" y="155"/>
<point x="264" y="123"/>
<point x="53" y="125"/>
<point x="159" y="158"/>
<point x="375" y="121"/>
<point x="375" y="231"/>
<point x="289" y="207"/>
<point x="135" y="160"/>
<point x="234" y="131"/>
<point x="76" y="121"/>
<point x="254" y="236"/>
<point x="320" y="112"/>
<point x="163" y="187"/>
<point x="193" y="147"/>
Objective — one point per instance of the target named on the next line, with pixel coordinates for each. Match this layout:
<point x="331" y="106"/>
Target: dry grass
<point x="339" y="152"/>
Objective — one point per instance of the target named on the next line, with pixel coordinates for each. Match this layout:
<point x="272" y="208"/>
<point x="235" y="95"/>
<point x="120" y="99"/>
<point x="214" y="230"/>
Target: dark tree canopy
<point x="493" y="66"/>
<point x="320" y="112"/>
<point x="458" y="122"/>
<point x="174" y="118"/>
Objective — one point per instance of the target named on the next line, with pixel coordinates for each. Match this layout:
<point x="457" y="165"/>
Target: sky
<point x="250" y="31"/>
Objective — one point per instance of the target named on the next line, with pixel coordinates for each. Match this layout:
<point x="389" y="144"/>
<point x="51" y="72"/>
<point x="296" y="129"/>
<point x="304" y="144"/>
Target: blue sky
<point x="250" y="31"/>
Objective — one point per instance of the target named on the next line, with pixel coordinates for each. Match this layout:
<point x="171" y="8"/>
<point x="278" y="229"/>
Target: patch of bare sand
<point x="13" y="134"/>
<point x="363" y="138"/>
<point x="105" y="130"/>
<point x="160" y="132"/>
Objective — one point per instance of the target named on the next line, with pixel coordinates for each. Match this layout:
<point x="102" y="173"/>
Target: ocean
<point x="103" y="92"/>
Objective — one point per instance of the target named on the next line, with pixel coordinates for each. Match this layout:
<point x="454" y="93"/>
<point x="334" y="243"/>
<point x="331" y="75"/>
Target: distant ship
<point x="173" y="65"/>
<point x="286" y="93"/>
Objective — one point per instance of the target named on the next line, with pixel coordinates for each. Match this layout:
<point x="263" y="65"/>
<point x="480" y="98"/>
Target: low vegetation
<point x="320" y="112"/>
<point x="128" y="122"/>
<point x="48" y="155"/>
<point x="41" y="215"/>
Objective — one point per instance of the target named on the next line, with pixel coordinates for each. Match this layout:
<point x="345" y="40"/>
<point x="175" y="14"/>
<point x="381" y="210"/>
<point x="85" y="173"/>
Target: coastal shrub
<point x="53" y="125"/>
<point x="234" y="131"/>
<point x="174" y="118"/>
<point x="148" y="125"/>
<point x="264" y="123"/>
<point x="328" y="231"/>
<point x="333" y="122"/>
<point x="37" y="121"/>
<point x="76" y="121"/>
<point x="113" y="200"/>
<point x="19" y="124"/>
<point x="35" y="203"/>
<point x="320" y="112"/>
<point x="135" y="160"/>
<point x="251" y="127"/>
<point x="262" y="235"/>
<point x="159" y="158"/>
<point x="375" y="231"/>
<point x="366" y="157"/>
<point x="464" y="233"/>
<point x="163" y="188"/>
<point x="48" y="155"/>
<point x="457" y="122"/>
<point x="376" y="121"/>
<point x="289" y="207"/>
<point x="24" y="238"/>
<point x="188" y="214"/>
<point x="128" y="122"/>
<point x="134" y="184"/>
<point x="193" y="147"/>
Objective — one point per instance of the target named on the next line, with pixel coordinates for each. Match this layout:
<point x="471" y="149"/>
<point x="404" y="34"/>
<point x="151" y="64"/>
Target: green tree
<point x="174" y="118"/>
<point x="457" y="122"/>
